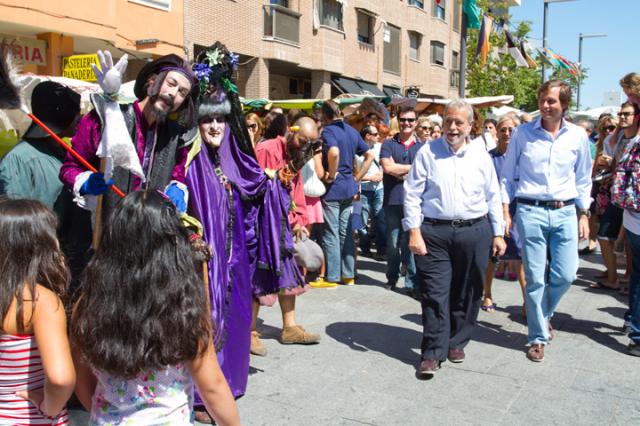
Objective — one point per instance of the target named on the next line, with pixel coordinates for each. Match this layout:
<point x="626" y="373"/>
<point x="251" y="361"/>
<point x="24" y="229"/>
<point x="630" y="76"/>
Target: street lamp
<point x="544" y="26"/>
<point x="580" y="37"/>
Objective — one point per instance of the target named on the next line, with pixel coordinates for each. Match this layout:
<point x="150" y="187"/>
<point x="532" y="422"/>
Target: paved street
<point x="363" y="371"/>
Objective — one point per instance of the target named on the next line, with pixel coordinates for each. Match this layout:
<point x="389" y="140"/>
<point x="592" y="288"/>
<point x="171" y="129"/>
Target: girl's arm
<point x="86" y="382"/>
<point x="50" y="331"/>
<point x="213" y="388"/>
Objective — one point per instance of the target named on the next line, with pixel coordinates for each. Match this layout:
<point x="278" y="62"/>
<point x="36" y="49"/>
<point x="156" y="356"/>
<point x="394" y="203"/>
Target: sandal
<point x="489" y="308"/>
<point x="202" y="416"/>
<point x="603" y="286"/>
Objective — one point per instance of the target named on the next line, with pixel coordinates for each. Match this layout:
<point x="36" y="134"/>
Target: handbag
<point x="313" y="186"/>
<point x="625" y="189"/>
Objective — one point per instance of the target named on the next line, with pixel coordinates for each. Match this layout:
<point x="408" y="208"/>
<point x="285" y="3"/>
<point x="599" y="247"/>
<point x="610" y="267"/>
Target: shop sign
<point x="79" y="67"/>
<point x="26" y="50"/>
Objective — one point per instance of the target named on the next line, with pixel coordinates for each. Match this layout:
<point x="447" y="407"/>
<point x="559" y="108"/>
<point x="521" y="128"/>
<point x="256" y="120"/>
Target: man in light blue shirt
<point x="450" y="190"/>
<point x="548" y="171"/>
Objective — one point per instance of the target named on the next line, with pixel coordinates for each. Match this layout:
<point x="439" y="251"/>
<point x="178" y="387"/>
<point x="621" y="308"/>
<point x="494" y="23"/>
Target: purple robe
<point x="233" y="216"/>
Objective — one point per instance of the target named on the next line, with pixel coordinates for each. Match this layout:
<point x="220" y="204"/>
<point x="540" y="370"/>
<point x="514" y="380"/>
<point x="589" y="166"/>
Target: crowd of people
<point x="129" y="302"/>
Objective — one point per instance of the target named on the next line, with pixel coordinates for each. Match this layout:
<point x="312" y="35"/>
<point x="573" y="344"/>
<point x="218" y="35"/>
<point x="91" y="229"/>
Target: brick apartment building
<point x="321" y="48"/>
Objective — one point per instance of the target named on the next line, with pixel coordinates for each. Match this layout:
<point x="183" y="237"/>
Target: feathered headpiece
<point x="214" y="68"/>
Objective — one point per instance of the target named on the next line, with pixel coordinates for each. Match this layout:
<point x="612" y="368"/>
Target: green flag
<point x="471" y="9"/>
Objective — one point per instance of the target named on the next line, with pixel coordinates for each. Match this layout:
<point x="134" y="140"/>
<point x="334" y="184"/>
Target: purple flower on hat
<point x="234" y="60"/>
<point x="202" y="71"/>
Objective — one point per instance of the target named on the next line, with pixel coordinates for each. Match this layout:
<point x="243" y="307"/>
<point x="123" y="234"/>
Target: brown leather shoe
<point x="298" y="335"/>
<point x="428" y="367"/>
<point x="456" y="355"/>
<point x="536" y="352"/>
<point x="257" y="347"/>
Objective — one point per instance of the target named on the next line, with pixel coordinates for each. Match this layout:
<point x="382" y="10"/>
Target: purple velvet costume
<point x="233" y="215"/>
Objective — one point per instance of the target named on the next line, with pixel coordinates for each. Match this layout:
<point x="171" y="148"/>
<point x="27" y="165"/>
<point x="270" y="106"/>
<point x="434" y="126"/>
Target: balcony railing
<point x="281" y="23"/>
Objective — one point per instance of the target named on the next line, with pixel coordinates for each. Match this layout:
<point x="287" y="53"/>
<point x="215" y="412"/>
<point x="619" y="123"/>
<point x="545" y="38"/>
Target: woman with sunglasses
<point x="423" y="129"/>
<point x="255" y="127"/>
<point x="512" y="260"/>
<point x="606" y="126"/>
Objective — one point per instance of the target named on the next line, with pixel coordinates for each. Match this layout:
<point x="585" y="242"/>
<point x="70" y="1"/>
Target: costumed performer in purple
<point x="243" y="213"/>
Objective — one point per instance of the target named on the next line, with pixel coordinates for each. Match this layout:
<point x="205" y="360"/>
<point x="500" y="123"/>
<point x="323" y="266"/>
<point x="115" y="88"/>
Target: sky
<point x="608" y="58"/>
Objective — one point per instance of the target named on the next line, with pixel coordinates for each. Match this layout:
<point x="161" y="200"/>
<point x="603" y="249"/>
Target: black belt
<point x="548" y="204"/>
<point x="456" y="223"/>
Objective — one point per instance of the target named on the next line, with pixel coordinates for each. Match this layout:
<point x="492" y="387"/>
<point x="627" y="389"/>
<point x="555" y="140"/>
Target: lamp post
<point x="580" y="37"/>
<point x="544" y="27"/>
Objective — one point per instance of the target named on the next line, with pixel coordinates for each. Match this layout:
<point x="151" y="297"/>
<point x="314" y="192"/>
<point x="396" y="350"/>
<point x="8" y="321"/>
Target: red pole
<point x="70" y="150"/>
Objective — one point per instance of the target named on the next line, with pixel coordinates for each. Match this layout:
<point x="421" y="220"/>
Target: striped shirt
<point x="20" y="370"/>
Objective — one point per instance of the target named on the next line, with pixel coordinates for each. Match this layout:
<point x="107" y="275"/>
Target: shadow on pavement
<point x="602" y="333"/>
<point x="394" y="342"/>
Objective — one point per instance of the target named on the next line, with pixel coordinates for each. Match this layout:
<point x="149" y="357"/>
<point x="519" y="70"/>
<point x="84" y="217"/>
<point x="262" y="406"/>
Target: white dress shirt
<point x="541" y="168"/>
<point x="448" y="185"/>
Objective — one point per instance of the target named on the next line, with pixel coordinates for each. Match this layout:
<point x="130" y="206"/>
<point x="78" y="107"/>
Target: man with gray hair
<point x="453" y="213"/>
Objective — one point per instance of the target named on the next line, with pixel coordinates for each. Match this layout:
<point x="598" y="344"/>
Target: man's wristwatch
<point x="584" y="212"/>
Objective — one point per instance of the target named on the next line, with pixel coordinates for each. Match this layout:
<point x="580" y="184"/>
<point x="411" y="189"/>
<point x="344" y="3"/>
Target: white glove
<point x="110" y="78"/>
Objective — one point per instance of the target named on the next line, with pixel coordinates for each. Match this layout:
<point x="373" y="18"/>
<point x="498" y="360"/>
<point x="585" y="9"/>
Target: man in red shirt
<point x="274" y="154"/>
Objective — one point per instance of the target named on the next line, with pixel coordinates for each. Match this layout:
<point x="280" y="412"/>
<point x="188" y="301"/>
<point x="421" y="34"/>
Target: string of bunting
<point x="518" y="49"/>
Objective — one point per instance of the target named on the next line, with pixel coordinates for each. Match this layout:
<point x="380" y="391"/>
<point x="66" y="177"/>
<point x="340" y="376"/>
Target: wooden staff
<point x="97" y="227"/>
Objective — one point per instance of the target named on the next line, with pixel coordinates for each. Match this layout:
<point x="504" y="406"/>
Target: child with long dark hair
<point x="36" y="369"/>
<point x="141" y="329"/>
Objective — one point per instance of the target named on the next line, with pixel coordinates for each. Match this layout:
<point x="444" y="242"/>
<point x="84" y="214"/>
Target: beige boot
<point x="257" y="348"/>
<point x="298" y="335"/>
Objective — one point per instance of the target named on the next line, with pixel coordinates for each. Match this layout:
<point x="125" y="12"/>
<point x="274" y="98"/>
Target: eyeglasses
<point x="407" y="120"/>
<point x="609" y="128"/>
<point x="425" y="128"/>
<point x="374" y="134"/>
<point x="253" y="126"/>
<point x="625" y="114"/>
<point x="506" y="129"/>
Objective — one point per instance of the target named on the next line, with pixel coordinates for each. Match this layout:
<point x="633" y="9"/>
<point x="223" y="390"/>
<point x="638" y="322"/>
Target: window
<point x="417" y="3"/>
<point x="415" y="41"/>
<point x="283" y="3"/>
<point x="437" y="53"/>
<point x="365" y="28"/>
<point x="439" y="9"/>
<point x="330" y="13"/>
<point x="455" y="69"/>
<point x="391" y="60"/>
<point x="157" y="4"/>
<point x="457" y="17"/>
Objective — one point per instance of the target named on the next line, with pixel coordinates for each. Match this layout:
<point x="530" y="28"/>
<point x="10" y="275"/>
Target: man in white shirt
<point x="454" y="217"/>
<point x="548" y="171"/>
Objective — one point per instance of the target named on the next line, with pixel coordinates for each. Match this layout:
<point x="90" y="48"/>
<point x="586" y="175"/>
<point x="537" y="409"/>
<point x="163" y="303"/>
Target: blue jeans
<point x="633" y="314"/>
<point x="337" y="240"/>
<point x="372" y="206"/>
<point x="545" y="231"/>
<point x="398" y="247"/>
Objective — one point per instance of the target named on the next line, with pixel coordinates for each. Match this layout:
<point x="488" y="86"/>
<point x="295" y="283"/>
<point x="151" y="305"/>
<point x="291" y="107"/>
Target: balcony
<point x="282" y="24"/>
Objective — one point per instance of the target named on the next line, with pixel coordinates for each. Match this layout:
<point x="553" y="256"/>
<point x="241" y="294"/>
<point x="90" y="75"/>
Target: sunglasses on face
<point x="625" y="114"/>
<point x="407" y="120"/>
<point x="609" y="128"/>
<point x="374" y="134"/>
<point x="425" y="128"/>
